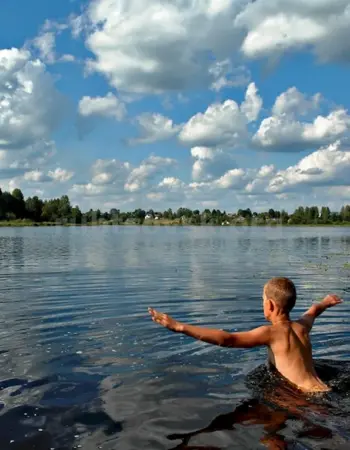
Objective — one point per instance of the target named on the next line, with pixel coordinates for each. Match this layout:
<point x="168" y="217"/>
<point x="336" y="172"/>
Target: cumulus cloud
<point x="87" y="190"/>
<point x="210" y="163"/>
<point x="252" y="104"/>
<point x="108" y="106"/>
<point x="323" y="167"/>
<point x="152" y="47"/>
<point x="110" y="171"/>
<point x="153" y="128"/>
<point x="280" y="25"/>
<point x="108" y="178"/>
<point x="171" y="183"/>
<point x="39" y="154"/>
<point x="148" y="169"/>
<point x="171" y="191"/>
<point x="118" y="178"/>
<point x="260" y="181"/>
<point x="30" y="107"/>
<point x="225" y="75"/>
<point x="222" y="124"/>
<point x="233" y="179"/>
<point x="294" y="103"/>
<point x="46" y="44"/>
<point x="60" y="175"/>
<point x="36" y="176"/>
<point x="282" y="133"/>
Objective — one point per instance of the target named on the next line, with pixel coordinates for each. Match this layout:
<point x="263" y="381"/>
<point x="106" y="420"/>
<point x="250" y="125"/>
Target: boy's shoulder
<point x="285" y="325"/>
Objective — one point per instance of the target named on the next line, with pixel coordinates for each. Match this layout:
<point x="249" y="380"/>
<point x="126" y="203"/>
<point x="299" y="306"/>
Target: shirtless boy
<point x="288" y="342"/>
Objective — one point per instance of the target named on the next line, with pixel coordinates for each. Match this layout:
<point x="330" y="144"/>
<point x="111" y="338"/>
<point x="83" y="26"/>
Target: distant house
<point x="148" y="217"/>
<point x="156" y="218"/>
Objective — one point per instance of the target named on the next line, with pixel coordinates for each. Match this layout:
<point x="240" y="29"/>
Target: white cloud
<point x="36" y="155"/>
<point x="110" y="171"/>
<point x="156" y="46"/>
<point x="210" y="163"/>
<point x="36" y="176"/>
<point x="222" y="124"/>
<point x="152" y="47"/>
<point x="285" y="134"/>
<point x="87" y="190"/>
<point x="46" y="44"/>
<point x="225" y="75"/>
<point x="153" y="128"/>
<point x="279" y="25"/>
<point x="323" y="167"/>
<point x="108" y="106"/>
<point x="171" y="183"/>
<point x="233" y="179"/>
<point x="115" y="179"/>
<point x="252" y="104"/>
<point x="67" y="57"/>
<point x="140" y="176"/>
<point x="266" y="171"/>
<point x="30" y="107"/>
<point x="260" y="181"/>
<point x="293" y="102"/>
<point x="60" y="175"/>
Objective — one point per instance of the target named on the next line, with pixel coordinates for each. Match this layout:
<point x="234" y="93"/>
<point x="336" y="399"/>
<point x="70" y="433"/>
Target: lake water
<point x="83" y="366"/>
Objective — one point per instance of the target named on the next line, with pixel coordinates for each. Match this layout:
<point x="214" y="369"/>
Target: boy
<point x="288" y="342"/>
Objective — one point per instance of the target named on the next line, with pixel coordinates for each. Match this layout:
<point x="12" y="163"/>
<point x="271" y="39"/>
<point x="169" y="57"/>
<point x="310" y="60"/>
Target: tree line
<point x="13" y="206"/>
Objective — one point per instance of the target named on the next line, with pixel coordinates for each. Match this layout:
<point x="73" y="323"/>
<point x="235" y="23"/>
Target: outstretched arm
<point x="248" y="339"/>
<point x="309" y="317"/>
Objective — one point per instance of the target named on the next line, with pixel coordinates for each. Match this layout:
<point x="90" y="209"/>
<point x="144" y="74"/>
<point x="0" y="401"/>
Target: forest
<point x="14" y="207"/>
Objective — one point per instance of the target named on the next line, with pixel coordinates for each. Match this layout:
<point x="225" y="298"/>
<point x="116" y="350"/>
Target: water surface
<point x="82" y="365"/>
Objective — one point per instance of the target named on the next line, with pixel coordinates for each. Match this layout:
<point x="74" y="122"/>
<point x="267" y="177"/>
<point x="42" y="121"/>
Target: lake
<point x="83" y="366"/>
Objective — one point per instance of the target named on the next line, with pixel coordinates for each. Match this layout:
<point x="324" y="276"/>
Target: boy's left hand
<point x="332" y="300"/>
<point x="164" y="320"/>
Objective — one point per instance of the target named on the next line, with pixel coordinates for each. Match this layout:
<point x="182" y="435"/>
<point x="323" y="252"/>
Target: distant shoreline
<point x="160" y="223"/>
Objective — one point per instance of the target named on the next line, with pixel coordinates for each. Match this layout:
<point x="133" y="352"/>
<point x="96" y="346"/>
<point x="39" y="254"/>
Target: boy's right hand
<point x="331" y="300"/>
<point x="165" y="320"/>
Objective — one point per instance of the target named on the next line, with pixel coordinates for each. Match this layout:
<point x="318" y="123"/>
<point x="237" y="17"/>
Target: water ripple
<point x="81" y="364"/>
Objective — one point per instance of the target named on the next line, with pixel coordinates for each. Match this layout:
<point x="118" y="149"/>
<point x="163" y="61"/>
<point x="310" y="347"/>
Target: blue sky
<point x="156" y="103"/>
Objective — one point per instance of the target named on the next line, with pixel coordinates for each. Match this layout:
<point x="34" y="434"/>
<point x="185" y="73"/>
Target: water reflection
<point x="249" y="414"/>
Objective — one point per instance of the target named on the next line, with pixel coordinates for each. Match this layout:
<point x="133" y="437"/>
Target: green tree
<point x="18" y="206"/>
<point x="51" y="210"/>
<point x="345" y="213"/>
<point x="325" y="214"/>
<point x="314" y="214"/>
<point x="272" y="214"/>
<point x="64" y="208"/>
<point x="34" y="208"/>
<point x="139" y="215"/>
<point x="18" y="195"/>
<point x="298" y="217"/>
<point x="284" y="217"/>
<point x="335" y="217"/>
<point x="76" y="215"/>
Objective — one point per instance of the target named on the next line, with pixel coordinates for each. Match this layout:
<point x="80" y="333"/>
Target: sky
<point x="166" y="103"/>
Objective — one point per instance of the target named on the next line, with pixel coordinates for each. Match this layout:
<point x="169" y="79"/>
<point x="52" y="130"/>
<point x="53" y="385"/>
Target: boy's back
<point x="288" y="342"/>
<point x="290" y="352"/>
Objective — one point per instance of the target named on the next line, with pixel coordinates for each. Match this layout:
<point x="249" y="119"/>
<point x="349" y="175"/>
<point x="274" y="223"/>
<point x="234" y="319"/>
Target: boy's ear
<point x="271" y="305"/>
